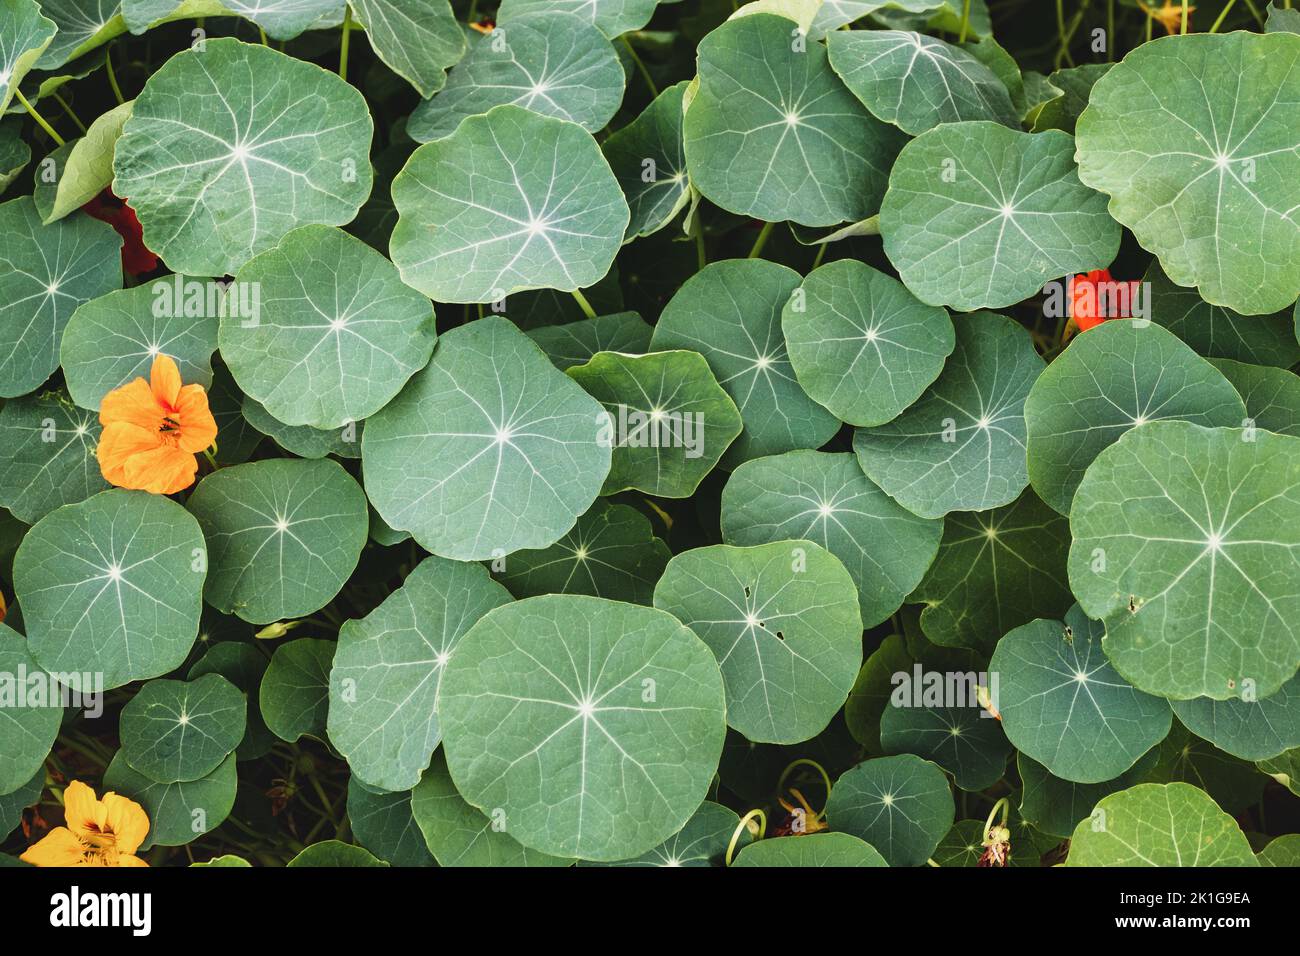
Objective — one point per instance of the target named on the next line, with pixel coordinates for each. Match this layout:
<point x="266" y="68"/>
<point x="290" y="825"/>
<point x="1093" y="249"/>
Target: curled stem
<point x="1005" y="806"/>
<point x="758" y="815"/>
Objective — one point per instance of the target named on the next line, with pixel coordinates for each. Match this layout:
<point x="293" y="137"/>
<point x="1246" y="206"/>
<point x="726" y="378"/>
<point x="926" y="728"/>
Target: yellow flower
<point x="98" y="833"/>
<point x="1169" y="16"/>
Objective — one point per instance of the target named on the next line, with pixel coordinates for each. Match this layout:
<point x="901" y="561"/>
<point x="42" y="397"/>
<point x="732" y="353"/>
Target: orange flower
<point x="1169" y="16"/>
<point x="98" y="833"/>
<point x="152" y="431"/>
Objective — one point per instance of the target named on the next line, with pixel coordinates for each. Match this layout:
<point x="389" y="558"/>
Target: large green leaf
<point x="340" y="336"/>
<point x="702" y="842"/>
<point x="917" y="82"/>
<point x="30" y="726"/>
<point x="1272" y="395"/>
<point x="281" y="19"/>
<point x="812" y="849"/>
<point x="488" y="450"/>
<point x="980" y="216"/>
<point x="1113" y="378"/>
<point x="901" y="805"/>
<point x="861" y="344"/>
<point x="783" y="621"/>
<point x="669" y="419"/>
<point x="283" y="536"/>
<point x="45" y="273"/>
<point x="611" y="552"/>
<point x="1285" y="850"/>
<point x="384" y="824"/>
<point x="1182" y="757"/>
<point x="1202" y="178"/>
<point x="730" y="312"/>
<point x="113" y="339"/>
<point x="1247" y="727"/>
<point x="83" y="26"/>
<point x="649" y="158"/>
<point x="613" y="17"/>
<point x="88" y="168"/>
<point x="303" y="440"/>
<point x="111" y="586"/>
<point x="1056" y="806"/>
<point x="1063" y="704"/>
<point x="512" y="200"/>
<point x="833" y="14"/>
<point x="175" y="731"/>
<point x="1216" y="332"/>
<point x="49" y="455"/>
<point x="179" y="812"/>
<point x="965" y="740"/>
<point x="383" y="686"/>
<point x="294" y="693"/>
<point x="458" y="835"/>
<point x="1159" y="825"/>
<point x="418" y="39"/>
<point x="995" y="570"/>
<point x="335" y="853"/>
<point x="553" y="63"/>
<point x="244" y="666"/>
<point x="1187" y="545"/>
<point x="230" y="148"/>
<point x="961" y="446"/>
<point x="594" y="726"/>
<point x="825" y="498"/>
<point x="1075" y="84"/>
<point x="573" y="343"/>
<point x="24" y="36"/>
<point x="773" y="133"/>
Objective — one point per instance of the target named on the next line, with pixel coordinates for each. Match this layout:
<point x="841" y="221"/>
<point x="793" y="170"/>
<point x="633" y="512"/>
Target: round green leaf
<point x="783" y="621"/>
<point x="49" y="455"/>
<point x="786" y="141"/>
<point x="418" y="39"/>
<point x="230" y="148"/>
<point x="702" y="842"/>
<point x="303" y="440"/>
<point x="283" y="536"/>
<point x="730" y="312"/>
<point x="1156" y="824"/>
<point x="1216" y="332"/>
<point x="917" y="82"/>
<point x="1187" y="546"/>
<point x="656" y="192"/>
<point x="83" y="26"/>
<point x="174" y="731"/>
<point x="961" y="446"/>
<point x="613" y="17"/>
<point x="244" y="666"/>
<point x="387" y="670"/>
<point x="597" y="737"/>
<point x="179" y="812"/>
<point x="45" y="273"/>
<point x="1272" y="395"/>
<point x="995" y="571"/>
<point x="29" y="726"/>
<point x="294" y="696"/>
<point x="964" y="740"/>
<point x="113" y="340"/>
<point x="340" y="336"/>
<point x="861" y="344"/>
<point x="980" y="216"/>
<point x="1247" y="727"/>
<point x="811" y="849"/>
<point x="510" y="201"/>
<point x="384" y="824"/>
<point x="669" y="421"/>
<point x="1056" y="806"/>
<point x="1203" y="178"/>
<point x="1063" y="704"/>
<point x="488" y="450"/>
<point x="458" y="835"/>
<point x="332" y="853"/>
<point x="552" y="63"/>
<point x="1111" y="379"/>
<point x="1285" y="850"/>
<point x="112" y="586"/>
<point x="611" y="553"/>
<point x="576" y="342"/>
<point x="901" y="805"/>
<point x="825" y="498"/>
<point x="26" y="35"/>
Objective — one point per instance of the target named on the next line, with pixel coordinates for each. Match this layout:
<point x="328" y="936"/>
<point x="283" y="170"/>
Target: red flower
<point x="1096" y="297"/>
<point x="136" y="257"/>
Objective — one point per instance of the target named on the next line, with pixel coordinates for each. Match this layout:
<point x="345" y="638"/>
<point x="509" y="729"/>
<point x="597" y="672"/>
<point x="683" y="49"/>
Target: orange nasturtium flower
<point x="152" y="430"/>
<point x="1170" y="16"/>
<point x="98" y="833"/>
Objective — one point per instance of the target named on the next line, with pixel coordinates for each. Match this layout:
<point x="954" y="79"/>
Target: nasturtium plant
<point x="549" y="433"/>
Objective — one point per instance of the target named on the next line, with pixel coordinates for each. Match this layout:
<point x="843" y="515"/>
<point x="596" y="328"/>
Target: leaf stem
<point x="758" y="815"/>
<point x="262" y="33"/>
<point x="1227" y="7"/>
<point x="344" y="43"/>
<point x="1254" y="11"/>
<point x="584" y="304"/>
<point x="1110" y="30"/>
<point x="1183" y="30"/>
<point x="112" y="77"/>
<point x="821" y="254"/>
<point x="68" y="109"/>
<point x="645" y="73"/>
<point x="1005" y="806"/>
<point x="965" y="22"/>
<point x="700" y="256"/>
<point x="761" y="241"/>
<point x="40" y="120"/>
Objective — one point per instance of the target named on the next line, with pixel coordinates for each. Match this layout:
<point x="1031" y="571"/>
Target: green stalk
<point x="1226" y="8"/>
<point x="761" y="241"/>
<point x="40" y="120"/>
<point x="68" y="109"/>
<point x="1183" y="31"/>
<point x="584" y="304"/>
<point x="112" y="77"/>
<point x="343" y="46"/>
<point x="645" y="73"/>
<point x="1110" y="30"/>
<point x="965" y="22"/>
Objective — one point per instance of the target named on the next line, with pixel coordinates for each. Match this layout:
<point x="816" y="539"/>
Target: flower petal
<point x="59" y="847"/>
<point x="127" y="820"/>
<point x="81" y="810"/>
<point x="119" y="443"/>
<point x="163" y="470"/>
<point x="198" y="427"/>
<point x="132" y="404"/>
<point x="165" y="380"/>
